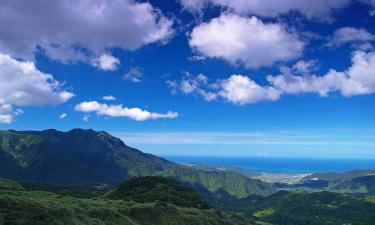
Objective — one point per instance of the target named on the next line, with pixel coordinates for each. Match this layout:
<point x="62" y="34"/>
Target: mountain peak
<point x="78" y="156"/>
<point x="81" y="131"/>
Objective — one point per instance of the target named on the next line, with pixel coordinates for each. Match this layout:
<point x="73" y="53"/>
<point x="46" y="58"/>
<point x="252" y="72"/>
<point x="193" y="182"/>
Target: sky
<point x="293" y="78"/>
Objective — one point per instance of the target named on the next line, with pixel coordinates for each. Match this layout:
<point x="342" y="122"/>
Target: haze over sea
<point x="280" y="165"/>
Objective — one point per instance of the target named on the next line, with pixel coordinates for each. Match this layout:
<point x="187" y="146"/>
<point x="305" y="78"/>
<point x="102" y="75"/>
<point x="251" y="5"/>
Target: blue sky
<point x="188" y="77"/>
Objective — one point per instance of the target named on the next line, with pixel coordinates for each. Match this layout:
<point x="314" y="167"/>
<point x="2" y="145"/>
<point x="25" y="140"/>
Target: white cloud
<point x="247" y="41"/>
<point x="22" y="84"/>
<point x="79" y="30"/>
<point x="305" y="67"/>
<point x="7" y="113"/>
<point x="239" y="89"/>
<point x="276" y="137"/>
<point x="358" y="79"/>
<point x="106" y="62"/>
<point x="349" y="34"/>
<point x="320" y="10"/>
<point x="109" y="98"/>
<point x="134" y="75"/>
<point x="120" y="111"/>
<point x="86" y="118"/>
<point x="172" y="84"/>
<point x="198" y="85"/>
<point x="62" y="116"/>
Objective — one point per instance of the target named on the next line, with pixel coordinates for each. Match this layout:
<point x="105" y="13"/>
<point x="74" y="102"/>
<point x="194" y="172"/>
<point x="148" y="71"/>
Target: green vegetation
<point x="86" y="157"/>
<point x="72" y="177"/>
<point x="151" y="189"/>
<point x="301" y="207"/>
<point x="352" y="182"/>
<point x="78" y="156"/>
<point x="83" y="191"/>
<point x="22" y="207"/>
<point x="231" y="182"/>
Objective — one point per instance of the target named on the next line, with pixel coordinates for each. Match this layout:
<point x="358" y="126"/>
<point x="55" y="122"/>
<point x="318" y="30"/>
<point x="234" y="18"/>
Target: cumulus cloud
<point x="237" y="89"/>
<point x="62" y="116"/>
<point x="22" y="84"/>
<point x="247" y="41"/>
<point x="109" y="98"/>
<point x="106" y="62"/>
<point x="134" y="75"/>
<point x="320" y="10"/>
<point x="120" y="111"/>
<point x="349" y="35"/>
<point x="358" y="79"/>
<point x="79" y="30"/>
<point x="242" y="90"/>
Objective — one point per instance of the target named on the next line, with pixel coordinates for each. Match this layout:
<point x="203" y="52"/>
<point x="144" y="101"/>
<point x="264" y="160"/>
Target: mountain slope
<point x="74" y="157"/>
<point x="355" y="182"/>
<point x="231" y="182"/>
<point x="21" y="207"/>
<point x="80" y="157"/>
<point x="300" y="207"/>
<point x="151" y="189"/>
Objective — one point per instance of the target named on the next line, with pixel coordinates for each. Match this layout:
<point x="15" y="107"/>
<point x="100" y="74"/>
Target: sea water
<point x="280" y="165"/>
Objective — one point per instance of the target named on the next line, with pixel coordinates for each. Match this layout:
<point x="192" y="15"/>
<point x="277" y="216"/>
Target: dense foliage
<point x="217" y="181"/>
<point x="301" y="207"/>
<point x="151" y="189"/>
<point x="87" y="157"/>
<point x="69" y="178"/>
<point x="353" y="182"/>
<point x="79" y="191"/>
<point x="22" y="207"/>
<point x="74" y="157"/>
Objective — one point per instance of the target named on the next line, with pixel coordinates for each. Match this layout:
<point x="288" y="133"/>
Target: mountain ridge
<point x="80" y="156"/>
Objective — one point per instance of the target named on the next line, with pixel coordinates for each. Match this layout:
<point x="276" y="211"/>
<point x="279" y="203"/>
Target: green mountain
<point x="20" y="206"/>
<point x="81" y="157"/>
<point x="74" y="157"/>
<point x="364" y="185"/>
<point x="229" y="181"/>
<point x="301" y="207"/>
<point x="354" y="182"/>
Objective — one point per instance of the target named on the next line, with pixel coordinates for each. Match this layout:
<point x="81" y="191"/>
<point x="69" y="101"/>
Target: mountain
<point x="335" y="177"/>
<point x="20" y="206"/>
<point x="229" y="181"/>
<point x="74" y="157"/>
<point x="364" y="184"/>
<point x="301" y="207"/>
<point x="354" y="182"/>
<point x="81" y="157"/>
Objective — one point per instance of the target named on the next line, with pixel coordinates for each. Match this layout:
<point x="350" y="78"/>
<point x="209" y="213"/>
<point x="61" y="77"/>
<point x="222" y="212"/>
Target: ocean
<point x="280" y="165"/>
